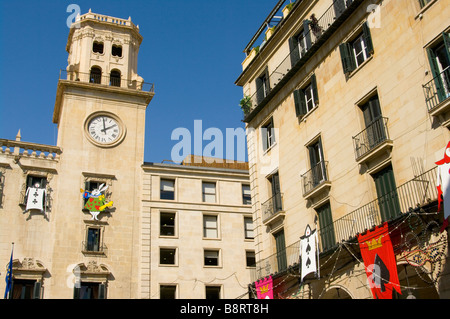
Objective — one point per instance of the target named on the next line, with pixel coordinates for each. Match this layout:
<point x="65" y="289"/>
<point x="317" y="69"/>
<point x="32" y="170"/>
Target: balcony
<point x="320" y="30"/>
<point x="414" y="194"/>
<point x="111" y="80"/>
<point x="315" y="181"/>
<point x="373" y="141"/>
<point x="437" y="94"/>
<point x="272" y="209"/>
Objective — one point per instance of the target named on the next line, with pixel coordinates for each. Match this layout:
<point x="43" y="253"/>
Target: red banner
<point x="264" y="288"/>
<point x="379" y="260"/>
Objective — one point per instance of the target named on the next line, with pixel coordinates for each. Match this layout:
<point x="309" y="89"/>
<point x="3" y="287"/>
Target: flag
<point x="8" y="278"/>
<point x="380" y="263"/>
<point x="309" y="253"/>
<point x="264" y="288"/>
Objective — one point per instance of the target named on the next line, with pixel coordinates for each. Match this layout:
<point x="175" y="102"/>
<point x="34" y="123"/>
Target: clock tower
<point x="100" y="111"/>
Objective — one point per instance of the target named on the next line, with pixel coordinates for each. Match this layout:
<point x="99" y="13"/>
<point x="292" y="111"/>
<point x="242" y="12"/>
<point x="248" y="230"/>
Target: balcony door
<point x="375" y="132"/>
<point x="280" y="245"/>
<point x="439" y="58"/>
<point x="388" y="201"/>
<point x="276" y="192"/>
<point x="317" y="163"/>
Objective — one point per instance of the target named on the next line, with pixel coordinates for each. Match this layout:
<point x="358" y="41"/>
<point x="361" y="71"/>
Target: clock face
<point x="104" y="129"/>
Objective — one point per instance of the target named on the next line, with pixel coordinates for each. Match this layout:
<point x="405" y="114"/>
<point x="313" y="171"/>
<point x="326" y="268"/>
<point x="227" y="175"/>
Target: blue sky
<point x="192" y="51"/>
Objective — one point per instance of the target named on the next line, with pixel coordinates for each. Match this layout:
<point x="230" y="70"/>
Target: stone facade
<point x="94" y="236"/>
<point x="323" y="163"/>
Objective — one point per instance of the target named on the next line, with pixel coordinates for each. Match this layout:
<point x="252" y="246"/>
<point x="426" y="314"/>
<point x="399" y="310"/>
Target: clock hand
<point x="107" y="128"/>
<point x="103" y="125"/>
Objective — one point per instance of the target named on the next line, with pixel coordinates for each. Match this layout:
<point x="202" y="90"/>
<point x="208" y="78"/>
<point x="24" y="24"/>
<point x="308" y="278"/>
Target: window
<point x="248" y="228"/>
<point x="35" y="182"/>
<point x="210" y="229"/>
<point x="307" y="98"/>
<point x="423" y="3"/>
<point x="300" y="43"/>
<point x="388" y="200"/>
<point x="167" y="291"/>
<point x="355" y="52"/>
<point x="262" y="86"/>
<point x="209" y="192"/>
<point x="167" y="256"/>
<point x="280" y="246"/>
<point x="211" y="258"/>
<point x="89" y="186"/>
<point x="167" y="189"/>
<point x="167" y="224"/>
<point x="25" y="289"/>
<point x="340" y="6"/>
<point x="250" y="258"/>
<point x="326" y="227"/>
<point x="268" y="135"/>
<point x="90" y="290"/>
<point x="114" y="78"/>
<point x="274" y="184"/>
<point x="116" y="50"/>
<point x="212" y="292"/>
<point x="95" y="75"/>
<point x="97" y="47"/>
<point x="246" y="195"/>
<point x="375" y="132"/>
<point x="439" y="58"/>
<point x="93" y="243"/>
<point x="317" y="163"/>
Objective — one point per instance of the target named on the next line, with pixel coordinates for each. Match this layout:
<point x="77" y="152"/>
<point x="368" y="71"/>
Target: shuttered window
<point x="327" y="235"/>
<point x="305" y="99"/>
<point x="439" y="59"/>
<point x="354" y="53"/>
<point x="388" y="201"/>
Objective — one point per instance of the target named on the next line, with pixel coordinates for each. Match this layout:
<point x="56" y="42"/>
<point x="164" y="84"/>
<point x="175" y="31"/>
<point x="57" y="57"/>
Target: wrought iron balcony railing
<point x="419" y="191"/>
<point x="272" y="206"/>
<point x="437" y="90"/>
<point x="319" y="30"/>
<point x="114" y="80"/>
<point x="314" y="177"/>
<point x="374" y="134"/>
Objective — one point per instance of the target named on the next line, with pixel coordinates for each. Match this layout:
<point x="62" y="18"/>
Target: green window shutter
<point x="294" y="50"/>
<point x="300" y="102"/>
<point x="347" y="58"/>
<point x="326" y="227"/>
<point x="76" y="293"/>
<point x="314" y="87"/>
<point x="436" y="74"/>
<point x="446" y="37"/>
<point x="37" y="290"/>
<point x="368" y="38"/>
<point x="307" y="34"/>
<point x="102" y="291"/>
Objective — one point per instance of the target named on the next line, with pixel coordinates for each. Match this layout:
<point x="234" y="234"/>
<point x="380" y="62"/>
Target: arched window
<point x="114" y="78"/>
<point x="96" y="75"/>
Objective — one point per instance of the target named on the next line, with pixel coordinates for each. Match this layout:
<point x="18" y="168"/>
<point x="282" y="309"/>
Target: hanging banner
<point x="379" y="260"/>
<point x="443" y="183"/>
<point x="309" y="250"/>
<point x="264" y="288"/>
<point x="35" y="198"/>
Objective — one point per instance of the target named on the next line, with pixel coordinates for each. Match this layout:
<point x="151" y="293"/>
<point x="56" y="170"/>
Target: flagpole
<point x="9" y="273"/>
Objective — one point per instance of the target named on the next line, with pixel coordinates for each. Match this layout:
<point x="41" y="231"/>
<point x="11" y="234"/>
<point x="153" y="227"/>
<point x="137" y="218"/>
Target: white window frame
<point x="210" y="219"/>
<point x="363" y="51"/>
<point x="206" y="194"/>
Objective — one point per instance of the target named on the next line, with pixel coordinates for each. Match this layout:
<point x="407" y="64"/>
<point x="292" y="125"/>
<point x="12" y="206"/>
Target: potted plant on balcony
<point x="287" y="9"/>
<point x="246" y="104"/>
